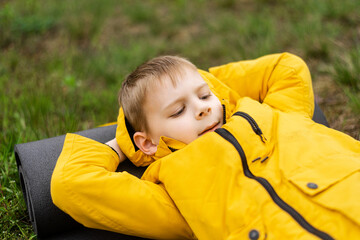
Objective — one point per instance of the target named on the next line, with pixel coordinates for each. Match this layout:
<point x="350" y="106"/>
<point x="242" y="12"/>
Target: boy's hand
<point x="113" y="143"/>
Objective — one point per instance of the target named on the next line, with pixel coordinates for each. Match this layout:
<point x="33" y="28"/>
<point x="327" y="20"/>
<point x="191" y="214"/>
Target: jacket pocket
<point x="334" y="188"/>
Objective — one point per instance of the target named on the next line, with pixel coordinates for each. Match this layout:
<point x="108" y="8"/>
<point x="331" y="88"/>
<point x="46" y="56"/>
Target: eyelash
<point x="178" y="112"/>
<point x="205" y="96"/>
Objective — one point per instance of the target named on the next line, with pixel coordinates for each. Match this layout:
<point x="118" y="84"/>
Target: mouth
<point x="210" y="128"/>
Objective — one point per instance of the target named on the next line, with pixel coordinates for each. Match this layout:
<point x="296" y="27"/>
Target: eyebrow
<point x="181" y="98"/>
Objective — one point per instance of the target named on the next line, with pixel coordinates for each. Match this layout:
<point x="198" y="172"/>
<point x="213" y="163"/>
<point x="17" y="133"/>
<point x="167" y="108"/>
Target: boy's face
<point x="184" y="112"/>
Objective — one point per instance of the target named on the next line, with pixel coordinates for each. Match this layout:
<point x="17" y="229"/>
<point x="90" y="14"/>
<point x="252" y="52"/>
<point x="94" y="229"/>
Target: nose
<point x="203" y="111"/>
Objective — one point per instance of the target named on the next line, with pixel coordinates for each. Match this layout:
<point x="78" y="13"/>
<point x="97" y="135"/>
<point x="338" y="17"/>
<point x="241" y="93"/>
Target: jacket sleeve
<point x="282" y="81"/>
<point x="85" y="186"/>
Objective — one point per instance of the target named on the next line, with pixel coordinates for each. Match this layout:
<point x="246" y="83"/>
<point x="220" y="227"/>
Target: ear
<point x="144" y="143"/>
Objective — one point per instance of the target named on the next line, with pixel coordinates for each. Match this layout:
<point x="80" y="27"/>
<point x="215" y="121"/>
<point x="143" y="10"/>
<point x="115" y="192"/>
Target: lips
<point x="210" y="128"/>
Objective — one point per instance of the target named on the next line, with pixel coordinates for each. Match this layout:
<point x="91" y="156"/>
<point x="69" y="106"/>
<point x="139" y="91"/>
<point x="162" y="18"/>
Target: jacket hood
<point x="125" y="132"/>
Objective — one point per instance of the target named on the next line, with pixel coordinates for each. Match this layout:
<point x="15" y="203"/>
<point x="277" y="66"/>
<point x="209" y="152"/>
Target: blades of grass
<point x="347" y="69"/>
<point x="354" y="99"/>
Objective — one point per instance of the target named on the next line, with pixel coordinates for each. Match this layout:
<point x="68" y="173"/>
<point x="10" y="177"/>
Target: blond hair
<point x="138" y="83"/>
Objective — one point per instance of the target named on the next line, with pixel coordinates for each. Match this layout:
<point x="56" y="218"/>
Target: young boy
<point x="268" y="171"/>
<point x="167" y="97"/>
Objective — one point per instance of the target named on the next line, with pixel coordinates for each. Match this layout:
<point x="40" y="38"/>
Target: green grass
<point x="347" y="74"/>
<point x="62" y="62"/>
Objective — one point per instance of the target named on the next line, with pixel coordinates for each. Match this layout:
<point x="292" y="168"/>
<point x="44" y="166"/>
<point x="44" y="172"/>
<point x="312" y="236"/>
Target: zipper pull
<point x="253" y="125"/>
<point x="259" y="158"/>
<point x="263" y="138"/>
<point x="260" y="133"/>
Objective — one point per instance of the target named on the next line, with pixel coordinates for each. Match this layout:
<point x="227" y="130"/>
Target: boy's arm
<point x="282" y="81"/>
<point x="85" y="185"/>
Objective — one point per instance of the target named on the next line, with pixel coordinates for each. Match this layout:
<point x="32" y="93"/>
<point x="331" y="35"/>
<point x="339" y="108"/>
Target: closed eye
<point x="178" y="113"/>
<point x="205" y="96"/>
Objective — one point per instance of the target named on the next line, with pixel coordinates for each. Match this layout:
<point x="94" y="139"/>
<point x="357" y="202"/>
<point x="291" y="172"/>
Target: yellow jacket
<point x="271" y="171"/>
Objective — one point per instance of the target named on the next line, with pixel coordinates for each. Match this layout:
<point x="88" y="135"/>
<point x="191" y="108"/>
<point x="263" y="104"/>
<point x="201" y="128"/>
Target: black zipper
<point x="224" y="113"/>
<point x="275" y="197"/>
<point x="253" y="124"/>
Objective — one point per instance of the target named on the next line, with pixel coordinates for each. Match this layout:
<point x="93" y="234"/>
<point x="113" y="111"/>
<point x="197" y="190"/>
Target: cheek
<point x="180" y="127"/>
<point x="168" y="128"/>
<point x="156" y="126"/>
<point x="217" y="106"/>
